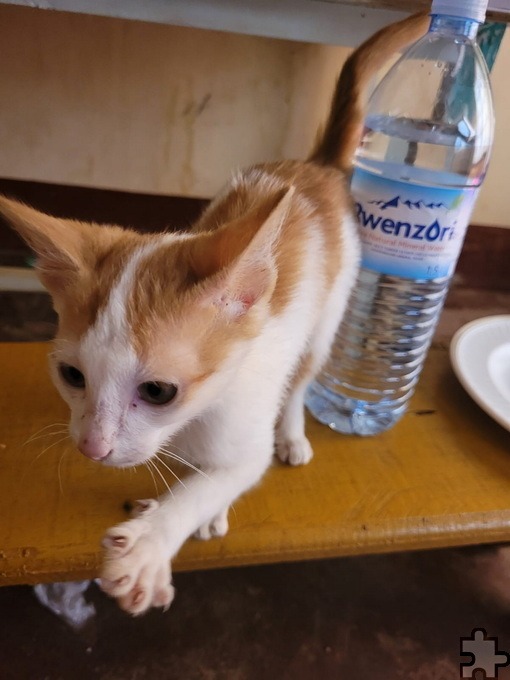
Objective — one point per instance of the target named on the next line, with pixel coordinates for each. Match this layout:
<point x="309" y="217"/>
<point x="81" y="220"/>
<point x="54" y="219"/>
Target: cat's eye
<point x="72" y="376"/>
<point x="158" y="393"/>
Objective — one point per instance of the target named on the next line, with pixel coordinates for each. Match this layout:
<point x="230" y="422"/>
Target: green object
<point x="489" y="38"/>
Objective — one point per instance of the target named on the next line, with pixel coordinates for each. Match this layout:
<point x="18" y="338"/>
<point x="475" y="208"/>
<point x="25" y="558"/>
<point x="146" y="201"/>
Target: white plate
<point x="480" y="354"/>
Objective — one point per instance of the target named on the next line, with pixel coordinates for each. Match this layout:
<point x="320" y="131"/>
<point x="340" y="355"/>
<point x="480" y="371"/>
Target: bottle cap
<point x="467" y="9"/>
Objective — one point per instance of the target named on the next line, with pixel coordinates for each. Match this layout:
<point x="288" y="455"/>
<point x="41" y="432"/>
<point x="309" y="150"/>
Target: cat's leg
<point x="218" y="526"/>
<point x="136" y="568"/>
<point x="292" y="445"/>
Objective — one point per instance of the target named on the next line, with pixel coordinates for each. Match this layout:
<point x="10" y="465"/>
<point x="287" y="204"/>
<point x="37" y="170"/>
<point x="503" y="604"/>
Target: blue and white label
<point x="410" y="230"/>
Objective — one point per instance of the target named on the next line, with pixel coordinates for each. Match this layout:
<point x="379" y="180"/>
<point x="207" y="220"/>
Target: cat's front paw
<point x="294" y="451"/>
<point x="136" y="568"/>
<point x="218" y="526"/>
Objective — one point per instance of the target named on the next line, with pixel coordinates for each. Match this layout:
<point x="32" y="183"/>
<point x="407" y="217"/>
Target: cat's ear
<point x="58" y="244"/>
<point x="236" y="262"/>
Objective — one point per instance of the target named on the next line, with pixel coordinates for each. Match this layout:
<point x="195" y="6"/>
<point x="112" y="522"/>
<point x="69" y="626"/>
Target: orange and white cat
<point x="206" y="338"/>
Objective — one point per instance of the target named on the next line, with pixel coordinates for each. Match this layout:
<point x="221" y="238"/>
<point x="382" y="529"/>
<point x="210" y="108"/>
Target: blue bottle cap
<point x="467" y="9"/>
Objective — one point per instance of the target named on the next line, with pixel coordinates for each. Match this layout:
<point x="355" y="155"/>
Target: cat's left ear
<point x="57" y="243"/>
<point x="236" y="262"/>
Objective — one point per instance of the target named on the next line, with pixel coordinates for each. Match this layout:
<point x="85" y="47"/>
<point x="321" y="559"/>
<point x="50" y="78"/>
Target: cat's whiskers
<point x="161" y="475"/>
<point x="177" y="448"/>
<point x="46" y="435"/>
<point x="183" y="461"/>
<point x="65" y="452"/>
<point x="171" y="471"/>
<point x="47" y="448"/>
<point x="35" y="435"/>
<point x="50" y="447"/>
<point x="234" y="512"/>
<point x="171" y="454"/>
<point x="149" y="468"/>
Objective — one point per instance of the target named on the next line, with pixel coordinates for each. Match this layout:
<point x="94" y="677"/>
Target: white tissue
<point x="66" y="600"/>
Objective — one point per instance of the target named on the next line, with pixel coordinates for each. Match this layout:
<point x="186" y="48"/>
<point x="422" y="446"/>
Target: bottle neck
<point x="454" y="26"/>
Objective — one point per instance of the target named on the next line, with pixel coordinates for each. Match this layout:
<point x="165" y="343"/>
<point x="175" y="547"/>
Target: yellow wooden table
<point x="441" y="477"/>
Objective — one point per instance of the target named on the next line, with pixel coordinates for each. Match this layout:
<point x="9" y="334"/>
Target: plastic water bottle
<point x="424" y="153"/>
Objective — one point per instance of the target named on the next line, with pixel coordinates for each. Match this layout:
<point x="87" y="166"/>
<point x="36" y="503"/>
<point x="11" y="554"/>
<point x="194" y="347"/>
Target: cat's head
<point x="151" y="327"/>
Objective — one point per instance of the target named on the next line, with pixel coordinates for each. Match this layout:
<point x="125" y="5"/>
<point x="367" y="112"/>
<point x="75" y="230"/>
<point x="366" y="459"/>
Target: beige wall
<point x="145" y="107"/>
<point x="493" y="206"/>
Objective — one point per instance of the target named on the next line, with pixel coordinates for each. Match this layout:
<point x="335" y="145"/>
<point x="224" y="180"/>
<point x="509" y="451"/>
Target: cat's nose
<point x="94" y="447"/>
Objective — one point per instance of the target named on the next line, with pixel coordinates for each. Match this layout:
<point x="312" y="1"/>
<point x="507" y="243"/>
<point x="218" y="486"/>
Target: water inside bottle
<point x="382" y="342"/>
<point x="421" y="151"/>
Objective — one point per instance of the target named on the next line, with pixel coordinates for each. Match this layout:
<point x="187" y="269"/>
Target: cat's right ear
<point x="58" y="244"/>
<point x="236" y="263"/>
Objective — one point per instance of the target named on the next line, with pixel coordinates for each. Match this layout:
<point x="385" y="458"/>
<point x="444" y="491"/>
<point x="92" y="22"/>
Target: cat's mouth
<point x="111" y="461"/>
<point x="111" y="458"/>
<point x="128" y="461"/>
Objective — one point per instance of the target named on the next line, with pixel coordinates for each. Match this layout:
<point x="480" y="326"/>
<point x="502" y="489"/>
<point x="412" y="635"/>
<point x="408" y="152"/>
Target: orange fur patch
<point x="168" y="299"/>
<point x="172" y="320"/>
<point x="174" y="326"/>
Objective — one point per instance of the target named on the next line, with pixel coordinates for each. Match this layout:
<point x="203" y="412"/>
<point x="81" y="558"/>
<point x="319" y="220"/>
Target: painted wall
<point x="152" y="108"/>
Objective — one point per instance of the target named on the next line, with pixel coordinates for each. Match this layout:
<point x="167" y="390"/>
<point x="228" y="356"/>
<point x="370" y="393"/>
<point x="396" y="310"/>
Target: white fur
<point x="104" y="411"/>
<point x="227" y="428"/>
<point x="233" y="440"/>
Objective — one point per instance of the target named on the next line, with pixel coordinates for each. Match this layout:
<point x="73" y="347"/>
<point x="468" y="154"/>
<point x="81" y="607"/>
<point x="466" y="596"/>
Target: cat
<point x="206" y="338"/>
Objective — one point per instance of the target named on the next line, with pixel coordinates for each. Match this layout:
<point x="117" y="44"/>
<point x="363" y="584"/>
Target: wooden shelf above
<point x="441" y="477"/>
<point x="498" y="10"/>
<point x="332" y="22"/>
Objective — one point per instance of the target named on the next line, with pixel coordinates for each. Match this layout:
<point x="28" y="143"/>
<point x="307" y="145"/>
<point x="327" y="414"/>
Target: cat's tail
<point x="337" y="144"/>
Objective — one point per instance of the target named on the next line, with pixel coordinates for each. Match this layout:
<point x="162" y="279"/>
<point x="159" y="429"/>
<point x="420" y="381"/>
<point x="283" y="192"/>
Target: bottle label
<point x="410" y="230"/>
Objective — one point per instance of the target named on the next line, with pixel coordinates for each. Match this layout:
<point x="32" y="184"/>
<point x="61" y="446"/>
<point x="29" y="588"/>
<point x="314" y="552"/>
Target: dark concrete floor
<point x="372" y="618"/>
<point x="378" y="618"/>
